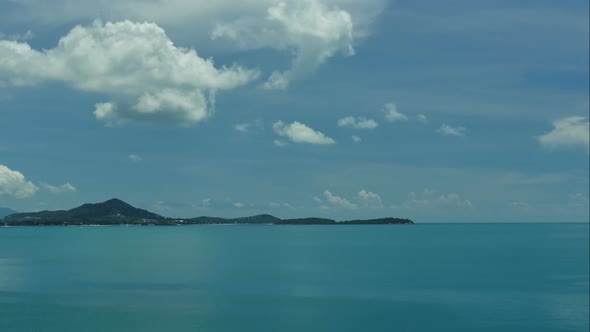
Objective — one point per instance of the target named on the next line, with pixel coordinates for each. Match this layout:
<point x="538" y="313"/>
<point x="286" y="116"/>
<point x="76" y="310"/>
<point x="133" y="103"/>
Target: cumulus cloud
<point x="66" y="187"/>
<point x="567" y="132"/>
<point x="358" y="123"/>
<point x="14" y="183"/>
<point x="448" y="130"/>
<point x="307" y="29"/>
<point x="297" y="132"/>
<point x="422" y="118"/>
<point x="369" y="199"/>
<point x="135" y="64"/>
<point x="338" y="201"/>
<point x="312" y="31"/>
<point x="356" y="139"/>
<point x="392" y="114"/>
<point x="239" y="205"/>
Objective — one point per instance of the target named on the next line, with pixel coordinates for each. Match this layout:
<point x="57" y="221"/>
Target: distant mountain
<point x="117" y="212"/>
<point x="308" y="221"/>
<point x="112" y="207"/>
<point x="323" y="221"/>
<point x="5" y="211"/>
<point x="258" y="219"/>
<point x="113" y="211"/>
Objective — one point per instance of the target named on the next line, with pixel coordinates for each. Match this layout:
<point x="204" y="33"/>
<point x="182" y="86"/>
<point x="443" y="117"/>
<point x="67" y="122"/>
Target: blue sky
<point x="435" y="111"/>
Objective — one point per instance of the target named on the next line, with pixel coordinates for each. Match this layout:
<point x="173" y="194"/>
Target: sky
<point x="438" y="111"/>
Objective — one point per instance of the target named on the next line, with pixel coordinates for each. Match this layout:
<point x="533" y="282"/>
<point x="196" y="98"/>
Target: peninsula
<point x="117" y="212"/>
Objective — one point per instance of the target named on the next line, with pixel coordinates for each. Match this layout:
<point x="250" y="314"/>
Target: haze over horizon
<point x="340" y="109"/>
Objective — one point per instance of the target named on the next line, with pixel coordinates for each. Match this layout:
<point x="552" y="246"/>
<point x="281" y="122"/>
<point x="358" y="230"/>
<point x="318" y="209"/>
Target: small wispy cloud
<point x="66" y="187"/>
<point x="449" y="130"/>
<point x="279" y="143"/>
<point x="18" y="37"/>
<point x="298" y="132"/>
<point x="242" y="127"/>
<point x="428" y="200"/>
<point x="338" y="201"/>
<point x="369" y="199"/>
<point x="281" y="205"/>
<point x="392" y="114"/>
<point x="357" y="123"/>
<point x="135" y="158"/>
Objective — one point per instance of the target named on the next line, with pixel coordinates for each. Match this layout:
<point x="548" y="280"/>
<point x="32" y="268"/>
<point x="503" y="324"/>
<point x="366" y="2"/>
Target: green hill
<point x="117" y="212"/>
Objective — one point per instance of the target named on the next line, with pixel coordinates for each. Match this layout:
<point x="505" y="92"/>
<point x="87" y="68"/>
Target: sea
<point x="425" y="277"/>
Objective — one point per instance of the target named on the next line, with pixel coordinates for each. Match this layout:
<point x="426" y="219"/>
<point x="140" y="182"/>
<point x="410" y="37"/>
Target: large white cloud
<point x="135" y="64"/>
<point x="14" y="183"/>
<point x="311" y="30"/>
<point x="297" y="132"/>
<point x="314" y="32"/>
<point x="570" y="131"/>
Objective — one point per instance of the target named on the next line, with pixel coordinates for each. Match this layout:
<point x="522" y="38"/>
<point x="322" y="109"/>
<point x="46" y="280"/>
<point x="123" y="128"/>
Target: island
<point x="117" y="212"/>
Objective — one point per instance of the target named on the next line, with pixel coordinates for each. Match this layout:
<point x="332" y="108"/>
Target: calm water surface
<point x="427" y="277"/>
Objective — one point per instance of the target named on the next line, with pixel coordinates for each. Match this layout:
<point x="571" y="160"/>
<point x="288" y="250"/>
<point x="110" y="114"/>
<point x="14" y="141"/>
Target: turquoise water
<point x="426" y="277"/>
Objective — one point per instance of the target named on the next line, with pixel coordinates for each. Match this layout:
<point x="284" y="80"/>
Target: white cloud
<point x="570" y="131"/>
<point x="356" y="139"/>
<point x="242" y="127"/>
<point x="239" y="205"/>
<point x="66" y="187"/>
<point x="338" y="201"/>
<point x="312" y="31"/>
<point x="299" y="133"/>
<point x="13" y="183"/>
<point x="358" y="123"/>
<point x="448" y="130"/>
<point x="369" y="199"/>
<point x="135" y="158"/>
<point x="422" y="118"/>
<point x="392" y="114"/>
<point x="135" y="64"/>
